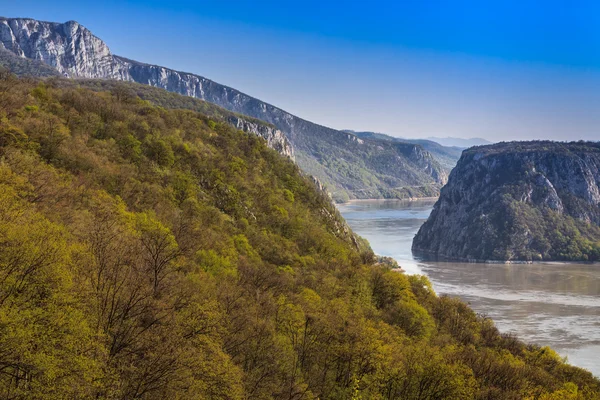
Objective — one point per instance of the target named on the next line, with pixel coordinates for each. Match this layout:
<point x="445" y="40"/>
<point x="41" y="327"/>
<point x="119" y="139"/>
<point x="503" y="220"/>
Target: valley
<point x="166" y="236"/>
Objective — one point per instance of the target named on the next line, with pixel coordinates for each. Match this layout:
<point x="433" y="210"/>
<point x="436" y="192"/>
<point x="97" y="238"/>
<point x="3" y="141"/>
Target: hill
<point x="157" y="253"/>
<point x="349" y="167"/>
<point x="519" y="201"/>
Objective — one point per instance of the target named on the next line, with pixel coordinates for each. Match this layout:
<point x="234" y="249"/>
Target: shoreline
<point x="451" y="272"/>
<point x="408" y="199"/>
<point x="446" y="259"/>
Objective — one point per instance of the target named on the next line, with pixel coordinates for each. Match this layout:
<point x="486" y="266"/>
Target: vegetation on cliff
<point x="154" y="253"/>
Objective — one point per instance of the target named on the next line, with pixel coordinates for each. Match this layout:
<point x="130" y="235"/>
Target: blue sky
<point x="502" y="70"/>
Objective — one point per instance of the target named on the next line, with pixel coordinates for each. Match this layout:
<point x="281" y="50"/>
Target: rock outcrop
<point x="518" y="201"/>
<point x="274" y="137"/>
<point x="350" y="167"/>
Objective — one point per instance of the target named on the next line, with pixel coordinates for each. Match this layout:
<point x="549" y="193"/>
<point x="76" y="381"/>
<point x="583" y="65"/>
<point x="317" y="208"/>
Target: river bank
<point x="548" y="303"/>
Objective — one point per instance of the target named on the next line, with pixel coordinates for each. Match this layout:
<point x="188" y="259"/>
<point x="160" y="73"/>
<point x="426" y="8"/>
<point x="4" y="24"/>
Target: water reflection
<point x="549" y="304"/>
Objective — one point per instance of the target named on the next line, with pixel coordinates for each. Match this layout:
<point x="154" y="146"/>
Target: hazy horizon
<point x="510" y="71"/>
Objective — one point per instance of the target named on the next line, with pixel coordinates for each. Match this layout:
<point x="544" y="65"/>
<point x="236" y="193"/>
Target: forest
<point x="157" y="253"/>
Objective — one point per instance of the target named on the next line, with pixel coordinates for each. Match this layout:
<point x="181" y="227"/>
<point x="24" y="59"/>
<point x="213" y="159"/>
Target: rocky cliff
<point x="348" y="166"/>
<point x="519" y="201"/>
<point x="274" y="137"/>
<point x="70" y="48"/>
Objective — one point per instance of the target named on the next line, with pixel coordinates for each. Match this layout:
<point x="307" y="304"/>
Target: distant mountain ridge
<point x="519" y="201"/>
<point x="350" y="167"/>
<point x="446" y="155"/>
<point x="459" y="142"/>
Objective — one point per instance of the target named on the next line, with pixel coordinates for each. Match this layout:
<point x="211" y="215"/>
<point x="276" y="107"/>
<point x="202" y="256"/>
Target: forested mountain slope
<point x="348" y="166"/>
<point x="126" y="90"/>
<point x="519" y="201"/>
<point x="156" y="253"/>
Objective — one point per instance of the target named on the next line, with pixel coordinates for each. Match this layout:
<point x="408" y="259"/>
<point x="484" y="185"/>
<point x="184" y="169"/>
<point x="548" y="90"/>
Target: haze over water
<point x="557" y="305"/>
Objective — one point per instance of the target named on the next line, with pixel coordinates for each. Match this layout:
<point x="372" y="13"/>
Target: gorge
<point x="164" y="236"/>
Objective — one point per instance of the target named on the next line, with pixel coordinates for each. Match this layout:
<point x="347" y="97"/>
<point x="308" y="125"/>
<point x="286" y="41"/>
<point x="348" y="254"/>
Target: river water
<point x="556" y="305"/>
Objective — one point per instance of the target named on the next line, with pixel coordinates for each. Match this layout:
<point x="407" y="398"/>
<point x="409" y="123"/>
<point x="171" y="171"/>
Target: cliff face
<point x="519" y="201"/>
<point x="70" y="48"/>
<point x="274" y="137"/>
<point x="75" y="52"/>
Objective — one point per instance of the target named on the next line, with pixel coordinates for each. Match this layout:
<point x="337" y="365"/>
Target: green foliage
<point x="130" y="147"/>
<point x="159" y="151"/>
<point x="147" y="253"/>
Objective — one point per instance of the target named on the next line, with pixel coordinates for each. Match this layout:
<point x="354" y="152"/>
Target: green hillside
<point x="154" y="253"/>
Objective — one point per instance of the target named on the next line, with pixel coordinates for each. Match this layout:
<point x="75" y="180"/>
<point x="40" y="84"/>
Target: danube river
<point x="549" y="304"/>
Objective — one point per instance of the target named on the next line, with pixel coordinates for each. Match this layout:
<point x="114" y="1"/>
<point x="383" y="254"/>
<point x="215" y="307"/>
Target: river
<point x="556" y="305"/>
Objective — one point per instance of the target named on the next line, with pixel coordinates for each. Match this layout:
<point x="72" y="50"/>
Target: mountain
<point x="445" y="155"/>
<point x="459" y="142"/>
<point x="150" y="252"/>
<point x="519" y="201"/>
<point x="349" y="167"/>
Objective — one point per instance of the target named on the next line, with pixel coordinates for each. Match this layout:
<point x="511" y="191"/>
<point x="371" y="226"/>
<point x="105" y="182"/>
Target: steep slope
<point x="447" y="156"/>
<point x="151" y="253"/>
<point x="519" y="201"/>
<point x="349" y="167"/>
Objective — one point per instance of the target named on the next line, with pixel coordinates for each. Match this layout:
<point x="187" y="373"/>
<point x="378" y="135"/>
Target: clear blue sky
<point x="493" y="69"/>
